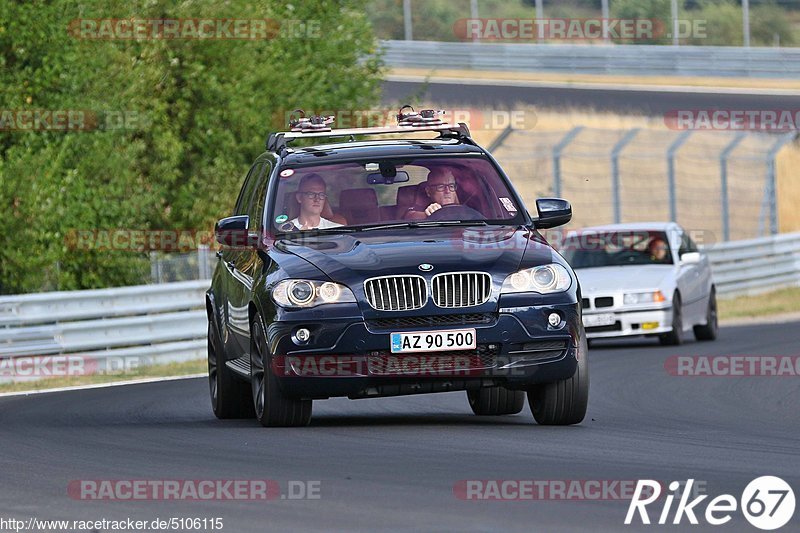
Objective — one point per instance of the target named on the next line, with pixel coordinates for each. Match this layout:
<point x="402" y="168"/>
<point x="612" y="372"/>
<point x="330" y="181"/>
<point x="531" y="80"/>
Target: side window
<point x="256" y="204"/>
<point x="247" y="190"/>
<point x="687" y="245"/>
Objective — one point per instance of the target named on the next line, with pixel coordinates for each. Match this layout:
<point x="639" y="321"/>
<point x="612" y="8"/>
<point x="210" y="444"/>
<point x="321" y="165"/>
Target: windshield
<point x="374" y="192"/>
<point x="620" y="248"/>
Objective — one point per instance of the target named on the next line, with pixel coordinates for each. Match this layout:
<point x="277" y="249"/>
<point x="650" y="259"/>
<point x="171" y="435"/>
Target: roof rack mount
<point x="279" y="141"/>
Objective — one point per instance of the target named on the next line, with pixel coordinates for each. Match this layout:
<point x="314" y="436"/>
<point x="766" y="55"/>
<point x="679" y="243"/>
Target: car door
<point x="230" y="256"/>
<point x="694" y="293"/>
<point x="244" y="259"/>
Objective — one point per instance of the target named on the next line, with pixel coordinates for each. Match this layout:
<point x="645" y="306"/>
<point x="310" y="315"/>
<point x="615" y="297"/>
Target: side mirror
<point x="233" y="231"/>
<point x="690" y="258"/>
<point x="553" y="212"/>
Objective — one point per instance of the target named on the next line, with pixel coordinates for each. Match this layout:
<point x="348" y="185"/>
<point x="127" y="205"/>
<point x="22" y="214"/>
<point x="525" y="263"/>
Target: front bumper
<point x="631" y="323"/>
<point x="348" y="356"/>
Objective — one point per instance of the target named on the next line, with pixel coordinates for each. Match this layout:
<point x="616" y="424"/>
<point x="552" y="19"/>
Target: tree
<point x="201" y="111"/>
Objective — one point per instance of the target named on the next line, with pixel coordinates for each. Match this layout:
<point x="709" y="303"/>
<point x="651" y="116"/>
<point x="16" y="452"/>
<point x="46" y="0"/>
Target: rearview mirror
<point x="690" y="258"/>
<point x="376" y="178"/>
<point x="553" y="212"/>
<point x="233" y="231"/>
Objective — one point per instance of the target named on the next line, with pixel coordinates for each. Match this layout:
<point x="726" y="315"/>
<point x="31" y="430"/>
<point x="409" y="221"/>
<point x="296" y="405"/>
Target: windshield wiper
<point x="426" y="224"/>
<point x="452" y="223"/>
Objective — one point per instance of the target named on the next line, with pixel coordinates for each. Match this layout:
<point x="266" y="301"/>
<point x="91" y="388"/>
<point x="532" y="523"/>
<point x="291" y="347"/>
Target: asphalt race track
<point x="647" y="102"/>
<point x="391" y="464"/>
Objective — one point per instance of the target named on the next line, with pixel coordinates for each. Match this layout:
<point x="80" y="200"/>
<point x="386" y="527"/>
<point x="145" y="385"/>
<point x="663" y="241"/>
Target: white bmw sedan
<point x="642" y="279"/>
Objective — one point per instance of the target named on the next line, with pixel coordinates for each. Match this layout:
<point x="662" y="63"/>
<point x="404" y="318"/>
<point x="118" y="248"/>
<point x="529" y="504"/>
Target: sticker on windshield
<point x="370" y="167"/>
<point x="280" y="219"/>
<point x="287" y="172"/>
<point x="508" y="204"/>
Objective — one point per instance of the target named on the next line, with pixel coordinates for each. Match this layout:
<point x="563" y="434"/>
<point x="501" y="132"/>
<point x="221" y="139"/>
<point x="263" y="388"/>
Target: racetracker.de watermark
<point x="193" y="489"/>
<point x="551" y="489"/>
<point x="575" y="29"/>
<point x="476" y="118"/>
<point x="193" y="29"/>
<point x="771" y="120"/>
<point x="72" y="120"/>
<point x="27" y="367"/>
<point x="733" y="365"/>
<point x="142" y="240"/>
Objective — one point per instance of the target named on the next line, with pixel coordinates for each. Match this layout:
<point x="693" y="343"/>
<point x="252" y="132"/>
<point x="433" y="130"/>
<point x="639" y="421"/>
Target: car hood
<point x="613" y="279"/>
<point x="352" y="258"/>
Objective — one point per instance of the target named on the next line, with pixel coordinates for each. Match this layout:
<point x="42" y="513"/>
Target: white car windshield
<point x="619" y="248"/>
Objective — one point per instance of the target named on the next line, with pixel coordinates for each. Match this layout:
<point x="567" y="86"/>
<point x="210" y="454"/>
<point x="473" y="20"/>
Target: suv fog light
<point x="649" y="325"/>
<point x="554" y="319"/>
<point x="301" y="336"/>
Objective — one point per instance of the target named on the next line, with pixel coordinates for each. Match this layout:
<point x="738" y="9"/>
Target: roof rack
<point x="426" y="120"/>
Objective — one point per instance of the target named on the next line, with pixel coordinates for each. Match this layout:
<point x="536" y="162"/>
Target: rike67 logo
<point x="767" y="503"/>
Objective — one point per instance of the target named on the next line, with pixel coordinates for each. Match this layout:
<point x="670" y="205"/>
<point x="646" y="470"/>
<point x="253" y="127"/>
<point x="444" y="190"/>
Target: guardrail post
<point x="626" y="139"/>
<point x="723" y="175"/>
<point x="771" y="187"/>
<point x="557" y="150"/>
<point x="202" y="262"/>
<point x="155" y="274"/>
<point x="673" y="148"/>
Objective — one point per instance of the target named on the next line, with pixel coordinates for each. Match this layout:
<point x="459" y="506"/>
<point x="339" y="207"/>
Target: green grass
<point x="195" y="366"/>
<point x="771" y="303"/>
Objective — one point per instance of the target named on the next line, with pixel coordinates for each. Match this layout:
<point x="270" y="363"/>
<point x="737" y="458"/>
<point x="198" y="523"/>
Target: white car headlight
<point x="307" y="293"/>
<point x="542" y="279"/>
<point x="635" y="298"/>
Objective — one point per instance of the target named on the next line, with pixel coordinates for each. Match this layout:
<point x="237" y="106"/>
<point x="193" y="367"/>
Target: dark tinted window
<point x="259" y="196"/>
<point x="243" y="202"/>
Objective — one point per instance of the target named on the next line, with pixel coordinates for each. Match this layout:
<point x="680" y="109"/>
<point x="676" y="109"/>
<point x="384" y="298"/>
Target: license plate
<point x="604" y="319"/>
<point x="434" y="341"/>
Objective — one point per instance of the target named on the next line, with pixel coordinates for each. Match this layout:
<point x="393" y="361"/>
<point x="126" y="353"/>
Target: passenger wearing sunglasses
<point x="311" y="196"/>
<point x="441" y="188"/>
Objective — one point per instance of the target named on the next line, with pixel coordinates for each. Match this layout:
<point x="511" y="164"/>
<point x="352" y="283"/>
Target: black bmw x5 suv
<point x="386" y="267"/>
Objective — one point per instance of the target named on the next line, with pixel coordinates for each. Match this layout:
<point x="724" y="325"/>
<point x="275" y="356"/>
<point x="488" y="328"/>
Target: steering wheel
<point x="455" y="212"/>
<point x="628" y="255"/>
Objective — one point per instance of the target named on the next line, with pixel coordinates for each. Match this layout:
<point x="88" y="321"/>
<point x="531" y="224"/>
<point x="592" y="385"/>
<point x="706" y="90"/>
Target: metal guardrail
<point x="102" y="330"/>
<point x="756" y="265"/>
<point x="724" y="61"/>
<point x="167" y="322"/>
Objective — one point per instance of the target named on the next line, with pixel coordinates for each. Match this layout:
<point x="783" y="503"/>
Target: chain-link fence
<point x="722" y="182"/>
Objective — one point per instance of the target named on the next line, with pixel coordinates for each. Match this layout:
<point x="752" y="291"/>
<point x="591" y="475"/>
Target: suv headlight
<point x="634" y="298"/>
<point x="308" y="293"/>
<point x="542" y="279"/>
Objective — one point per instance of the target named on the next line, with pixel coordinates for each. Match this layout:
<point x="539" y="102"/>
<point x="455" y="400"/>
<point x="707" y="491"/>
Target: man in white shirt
<point x="311" y="196"/>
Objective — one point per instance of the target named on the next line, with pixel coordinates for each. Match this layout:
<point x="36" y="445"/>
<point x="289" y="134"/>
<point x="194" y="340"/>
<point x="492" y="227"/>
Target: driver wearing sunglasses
<point x="311" y="196"/>
<point x="441" y="188"/>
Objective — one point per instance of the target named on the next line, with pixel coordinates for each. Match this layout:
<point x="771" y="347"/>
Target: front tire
<point x="230" y="395"/>
<point x="564" y="402"/>
<point x="272" y="408"/>
<point x="495" y="401"/>
<point x="674" y="337"/>
<point x="708" y="332"/>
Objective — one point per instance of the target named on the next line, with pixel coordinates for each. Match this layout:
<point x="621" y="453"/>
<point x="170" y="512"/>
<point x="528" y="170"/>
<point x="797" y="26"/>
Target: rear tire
<point x="674" y="337"/>
<point x="230" y="395"/>
<point x="708" y="332"/>
<point x="272" y="408"/>
<point x="563" y="402"/>
<point x="495" y="401"/>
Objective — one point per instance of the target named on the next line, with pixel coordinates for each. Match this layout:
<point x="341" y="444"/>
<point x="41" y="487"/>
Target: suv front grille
<point x="431" y="321"/>
<point x="396" y="293"/>
<point x="461" y="289"/>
